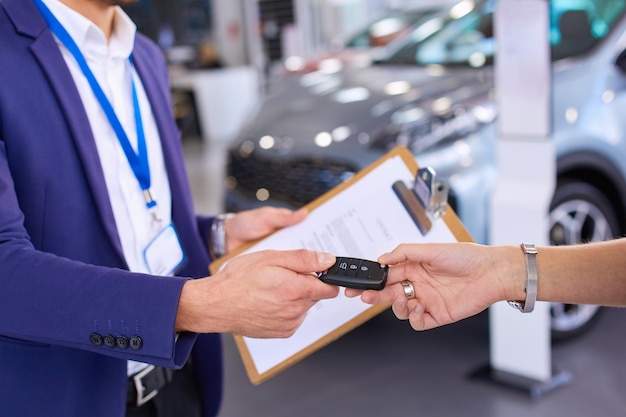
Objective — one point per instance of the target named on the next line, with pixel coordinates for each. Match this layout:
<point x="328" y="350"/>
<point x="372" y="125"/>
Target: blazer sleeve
<point x="49" y="299"/>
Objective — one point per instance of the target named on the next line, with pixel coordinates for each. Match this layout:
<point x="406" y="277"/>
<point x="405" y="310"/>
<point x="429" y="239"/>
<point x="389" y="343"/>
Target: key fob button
<point x="342" y="266"/>
<point x="353" y="268"/>
<point x="364" y="272"/>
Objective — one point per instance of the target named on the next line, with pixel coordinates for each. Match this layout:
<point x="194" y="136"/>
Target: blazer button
<point x="95" y="339"/>
<point x="122" y="342"/>
<point x="109" y="341"/>
<point x="136" y="343"/>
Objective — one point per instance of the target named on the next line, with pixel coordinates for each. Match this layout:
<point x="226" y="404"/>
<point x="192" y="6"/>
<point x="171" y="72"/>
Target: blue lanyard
<point x="138" y="161"/>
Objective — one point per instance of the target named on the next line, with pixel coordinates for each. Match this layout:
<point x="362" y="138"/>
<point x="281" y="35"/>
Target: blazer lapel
<point x="29" y="21"/>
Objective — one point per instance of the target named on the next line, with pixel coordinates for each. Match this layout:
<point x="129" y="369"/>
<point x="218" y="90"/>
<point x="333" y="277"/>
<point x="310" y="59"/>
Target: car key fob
<point x="360" y="274"/>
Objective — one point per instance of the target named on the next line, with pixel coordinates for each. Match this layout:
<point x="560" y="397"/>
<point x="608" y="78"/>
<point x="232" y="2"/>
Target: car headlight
<point x="418" y="130"/>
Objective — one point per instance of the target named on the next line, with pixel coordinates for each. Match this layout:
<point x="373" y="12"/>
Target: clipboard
<point x="424" y="203"/>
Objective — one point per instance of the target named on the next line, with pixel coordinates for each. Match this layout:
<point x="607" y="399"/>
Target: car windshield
<point x="464" y="34"/>
<point x="384" y="30"/>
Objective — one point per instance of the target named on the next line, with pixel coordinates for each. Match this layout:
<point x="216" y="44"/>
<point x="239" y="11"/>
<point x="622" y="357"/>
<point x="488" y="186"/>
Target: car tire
<point x="579" y="213"/>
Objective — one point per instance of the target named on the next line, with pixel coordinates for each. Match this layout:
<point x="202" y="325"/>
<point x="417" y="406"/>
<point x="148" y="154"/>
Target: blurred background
<point x="279" y="101"/>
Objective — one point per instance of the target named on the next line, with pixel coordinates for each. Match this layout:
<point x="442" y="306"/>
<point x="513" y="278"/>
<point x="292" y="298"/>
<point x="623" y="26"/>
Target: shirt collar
<point x="89" y="38"/>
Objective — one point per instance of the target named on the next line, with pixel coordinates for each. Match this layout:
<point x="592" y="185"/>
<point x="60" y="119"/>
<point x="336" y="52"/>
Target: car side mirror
<point x="620" y="61"/>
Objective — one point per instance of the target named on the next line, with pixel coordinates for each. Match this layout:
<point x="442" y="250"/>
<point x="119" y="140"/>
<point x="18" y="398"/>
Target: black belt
<point x="144" y="385"/>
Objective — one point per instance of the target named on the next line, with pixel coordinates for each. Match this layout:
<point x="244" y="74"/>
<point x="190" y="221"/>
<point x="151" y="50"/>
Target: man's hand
<point x="260" y="294"/>
<point x="253" y="224"/>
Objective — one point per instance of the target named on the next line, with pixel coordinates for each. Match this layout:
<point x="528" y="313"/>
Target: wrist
<point x="198" y="307"/>
<point x="185" y="315"/>
<point x="513" y="273"/>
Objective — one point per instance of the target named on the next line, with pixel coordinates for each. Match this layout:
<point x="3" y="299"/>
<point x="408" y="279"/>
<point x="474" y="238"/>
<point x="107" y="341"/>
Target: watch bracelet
<point x="530" y="255"/>
<point x="217" y="239"/>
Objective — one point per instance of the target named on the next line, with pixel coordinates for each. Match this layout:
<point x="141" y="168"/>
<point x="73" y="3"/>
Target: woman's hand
<point x="451" y="281"/>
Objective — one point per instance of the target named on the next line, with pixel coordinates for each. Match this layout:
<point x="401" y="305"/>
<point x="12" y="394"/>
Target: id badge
<point x="164" y="254"/>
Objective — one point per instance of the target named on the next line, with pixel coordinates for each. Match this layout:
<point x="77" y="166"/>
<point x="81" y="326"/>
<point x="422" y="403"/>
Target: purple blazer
<point x="63" y="278"/>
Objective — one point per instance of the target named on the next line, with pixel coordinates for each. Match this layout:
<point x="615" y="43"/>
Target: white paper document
<point x="365" y="220"/>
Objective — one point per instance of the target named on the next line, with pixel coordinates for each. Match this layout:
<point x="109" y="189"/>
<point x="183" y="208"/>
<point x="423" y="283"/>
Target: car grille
<point x="295" y="182"/>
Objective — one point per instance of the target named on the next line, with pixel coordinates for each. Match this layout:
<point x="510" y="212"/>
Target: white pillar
<point x="520" y="346"/>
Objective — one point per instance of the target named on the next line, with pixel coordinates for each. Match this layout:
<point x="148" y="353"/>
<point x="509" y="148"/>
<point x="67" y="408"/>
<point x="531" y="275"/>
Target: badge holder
<point x="426" y="200"/>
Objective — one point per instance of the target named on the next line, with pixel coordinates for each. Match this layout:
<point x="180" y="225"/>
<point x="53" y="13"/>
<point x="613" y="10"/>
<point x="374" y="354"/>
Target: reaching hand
<point x="451" y="282"/>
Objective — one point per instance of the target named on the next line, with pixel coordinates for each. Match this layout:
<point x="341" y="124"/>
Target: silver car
<point x="435" y="95"/>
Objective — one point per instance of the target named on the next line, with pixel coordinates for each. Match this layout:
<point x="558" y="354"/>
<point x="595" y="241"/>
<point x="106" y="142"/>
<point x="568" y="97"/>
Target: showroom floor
<point x="383" y="368"/>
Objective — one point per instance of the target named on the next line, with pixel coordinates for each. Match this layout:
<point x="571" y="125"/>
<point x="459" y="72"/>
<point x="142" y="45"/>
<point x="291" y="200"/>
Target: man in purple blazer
<point x="76" y="304"/>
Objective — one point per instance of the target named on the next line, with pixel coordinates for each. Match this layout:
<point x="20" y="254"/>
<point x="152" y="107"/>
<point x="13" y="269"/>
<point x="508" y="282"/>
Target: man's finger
<point x="300" y="260"/>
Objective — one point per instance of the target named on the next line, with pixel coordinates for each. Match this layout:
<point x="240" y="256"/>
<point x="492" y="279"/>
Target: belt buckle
<point x="143" y="398"/>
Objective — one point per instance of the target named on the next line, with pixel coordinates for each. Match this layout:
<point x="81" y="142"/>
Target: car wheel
<point x="579" y="213"/>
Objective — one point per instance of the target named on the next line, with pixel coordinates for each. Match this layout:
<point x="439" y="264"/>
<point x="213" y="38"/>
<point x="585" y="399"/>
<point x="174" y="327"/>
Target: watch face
<point x="529" y="248"/>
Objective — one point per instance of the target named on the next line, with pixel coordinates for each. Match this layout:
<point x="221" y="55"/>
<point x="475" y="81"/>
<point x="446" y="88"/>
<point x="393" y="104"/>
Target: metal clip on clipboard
<point x="426" y="201"/>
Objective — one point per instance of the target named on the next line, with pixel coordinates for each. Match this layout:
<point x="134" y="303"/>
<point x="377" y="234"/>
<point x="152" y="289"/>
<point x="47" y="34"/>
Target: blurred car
<point x="435" y="95"/>
<point x="361" y="47"/>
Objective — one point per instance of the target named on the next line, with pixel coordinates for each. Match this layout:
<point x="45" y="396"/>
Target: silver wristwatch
<point x="217" y="239"/>
<point x="528" y="305"/>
